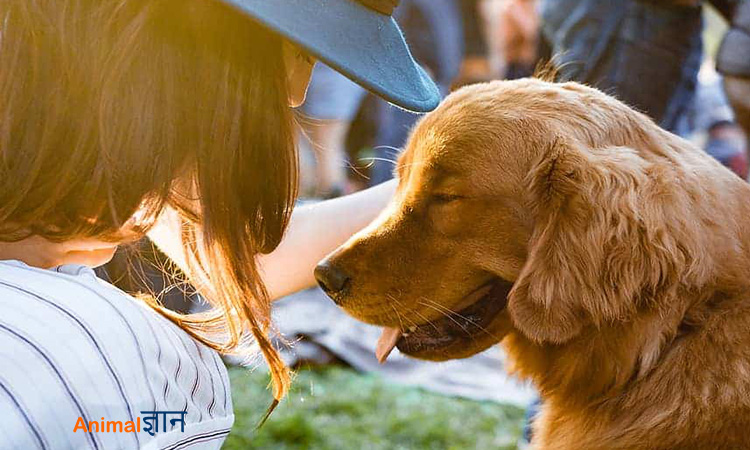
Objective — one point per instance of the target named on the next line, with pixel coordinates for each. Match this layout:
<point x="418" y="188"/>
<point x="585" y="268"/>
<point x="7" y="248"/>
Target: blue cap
<point x="362" y="42"/>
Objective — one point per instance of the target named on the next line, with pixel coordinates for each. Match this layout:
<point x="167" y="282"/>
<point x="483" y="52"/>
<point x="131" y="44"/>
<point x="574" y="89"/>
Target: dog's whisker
<point x="388" y="147"/>
<point x="400" y="317"/>
<point x="448" y="313"/>
<point x="418" y="314"/>
<point x="446" y="310"/>
<point x="357" y="170"/>
<point x="371" y="160"/>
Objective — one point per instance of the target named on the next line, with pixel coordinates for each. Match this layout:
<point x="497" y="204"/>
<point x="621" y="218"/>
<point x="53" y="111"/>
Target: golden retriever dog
<point x="610" y="257"/>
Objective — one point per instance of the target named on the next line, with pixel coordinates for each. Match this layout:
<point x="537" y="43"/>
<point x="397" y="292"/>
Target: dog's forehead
<point x="422" y="150"/>
<point x="486" y="158"/>
<point x="495" y="124"/>
<point x="431" y="154"/>
<point x="452" y="143"/>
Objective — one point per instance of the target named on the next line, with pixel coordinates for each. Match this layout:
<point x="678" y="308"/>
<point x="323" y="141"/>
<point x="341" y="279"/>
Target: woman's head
<point x="113" y="110"/>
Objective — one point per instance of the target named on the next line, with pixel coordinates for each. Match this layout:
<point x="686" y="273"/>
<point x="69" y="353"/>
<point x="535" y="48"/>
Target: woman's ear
<point x="589" y="253"/>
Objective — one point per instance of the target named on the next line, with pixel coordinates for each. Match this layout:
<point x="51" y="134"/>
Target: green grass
<point x="337" y="408"/>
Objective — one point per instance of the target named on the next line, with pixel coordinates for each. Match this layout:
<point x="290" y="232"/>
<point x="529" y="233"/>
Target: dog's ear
<point x="596" y="242"/>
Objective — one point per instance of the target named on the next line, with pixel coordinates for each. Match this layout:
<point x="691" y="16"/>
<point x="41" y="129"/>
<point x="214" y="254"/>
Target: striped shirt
<point x="76" y="350"/>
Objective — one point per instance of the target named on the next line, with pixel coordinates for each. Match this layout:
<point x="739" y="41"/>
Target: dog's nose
<point x="331" y="279"/>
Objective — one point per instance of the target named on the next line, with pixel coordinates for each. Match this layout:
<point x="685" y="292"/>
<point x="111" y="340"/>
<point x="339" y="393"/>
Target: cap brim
<point x="366" y="46"/>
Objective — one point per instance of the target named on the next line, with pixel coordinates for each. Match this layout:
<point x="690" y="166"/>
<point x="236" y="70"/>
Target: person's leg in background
<point x="733" y="61"/>
<point x="738" y="92"/>
<point x="727" y="144"/>
<point x="518" y="35"/>
<point x="332" y="102"/>
<point x="479" y="62"/>
<point x="327" y="138"/>
<point x="434" y="31"/>
<point x="714" y="123"/>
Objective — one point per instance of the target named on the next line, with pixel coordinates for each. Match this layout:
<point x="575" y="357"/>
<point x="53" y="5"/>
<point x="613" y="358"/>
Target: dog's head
<point x="522" y="206"/>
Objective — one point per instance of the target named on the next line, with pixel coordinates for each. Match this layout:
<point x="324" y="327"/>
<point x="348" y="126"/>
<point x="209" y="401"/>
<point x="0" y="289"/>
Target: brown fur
<point x="627" y="247"/>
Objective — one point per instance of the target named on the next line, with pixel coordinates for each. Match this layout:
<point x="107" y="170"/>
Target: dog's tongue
<point x="387" y="343"/>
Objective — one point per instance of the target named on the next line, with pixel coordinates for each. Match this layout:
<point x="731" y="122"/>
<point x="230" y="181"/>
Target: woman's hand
<point x="315" y="231"/>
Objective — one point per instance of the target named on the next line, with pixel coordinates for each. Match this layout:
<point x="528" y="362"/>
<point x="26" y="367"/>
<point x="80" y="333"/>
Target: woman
<point x="169" y="118"/>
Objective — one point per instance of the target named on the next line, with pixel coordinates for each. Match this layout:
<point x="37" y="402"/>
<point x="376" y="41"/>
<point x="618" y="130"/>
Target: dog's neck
<point x="602" y="363"/>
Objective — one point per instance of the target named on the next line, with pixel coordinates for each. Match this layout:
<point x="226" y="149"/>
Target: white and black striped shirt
<point x="74" y="347"/>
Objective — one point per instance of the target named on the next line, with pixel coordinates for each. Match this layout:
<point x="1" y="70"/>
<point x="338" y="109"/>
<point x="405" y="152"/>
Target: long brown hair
<point x="112" y="108"/>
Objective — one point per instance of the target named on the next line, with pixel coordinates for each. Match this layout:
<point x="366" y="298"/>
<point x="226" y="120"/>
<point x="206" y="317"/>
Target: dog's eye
<point x="445" y="198"/>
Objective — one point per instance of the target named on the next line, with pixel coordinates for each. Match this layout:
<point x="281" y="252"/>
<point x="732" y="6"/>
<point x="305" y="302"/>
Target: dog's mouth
<point x="456" y="331"/>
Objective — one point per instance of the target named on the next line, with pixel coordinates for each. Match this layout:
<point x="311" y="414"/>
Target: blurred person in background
<point x="327" y="114"/>
<point x="727" y="143"/>
<point x="518" y="36"/>
<point x="446" y="37"/>
<point x="476" y="66"/>
<point x="646" y="53"/>
<point x="733" y="61"/>
<point x="713" y="123"/>
<point x="435" y="33"/>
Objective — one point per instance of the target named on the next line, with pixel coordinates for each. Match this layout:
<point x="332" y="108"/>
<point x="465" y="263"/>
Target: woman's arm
<point x="315" y="231"/>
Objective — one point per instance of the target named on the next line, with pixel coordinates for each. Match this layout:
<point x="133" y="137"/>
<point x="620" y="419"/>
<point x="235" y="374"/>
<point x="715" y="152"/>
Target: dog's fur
<point x="628" y="248"/>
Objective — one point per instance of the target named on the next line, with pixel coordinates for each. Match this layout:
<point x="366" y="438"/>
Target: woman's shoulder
<point x="74" y="347"/>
